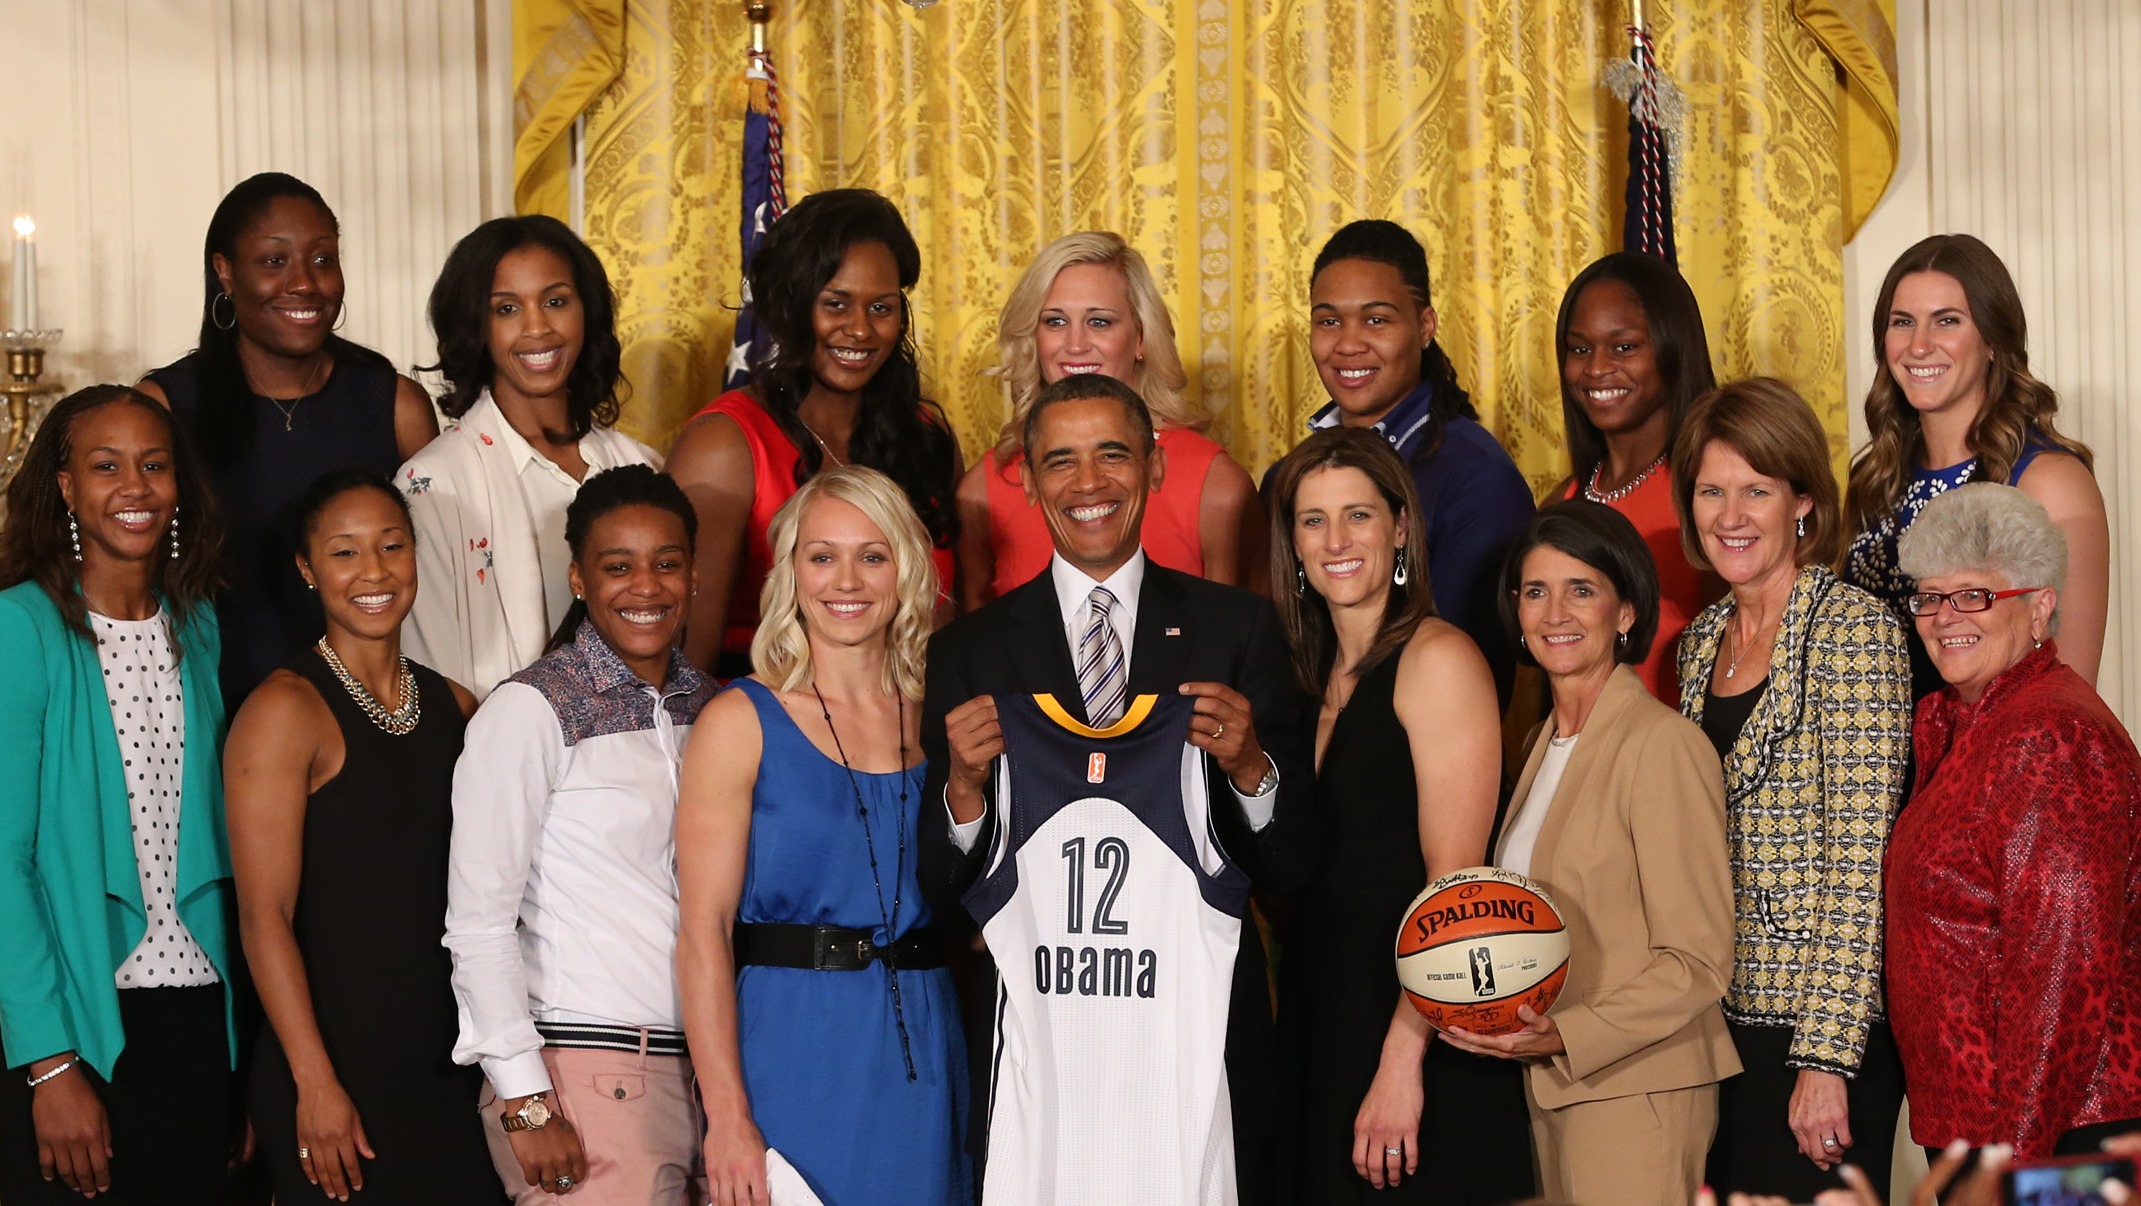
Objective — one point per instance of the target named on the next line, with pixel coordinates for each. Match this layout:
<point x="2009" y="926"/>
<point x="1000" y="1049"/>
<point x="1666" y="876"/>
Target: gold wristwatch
<point x="533" y="1115"/>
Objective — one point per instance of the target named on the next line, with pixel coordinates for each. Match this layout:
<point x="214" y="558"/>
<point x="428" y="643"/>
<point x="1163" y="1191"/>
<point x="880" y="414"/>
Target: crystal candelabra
<point x="27" y="396"/>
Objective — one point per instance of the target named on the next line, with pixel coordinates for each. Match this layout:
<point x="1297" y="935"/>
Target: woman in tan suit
<point x="1620" y="816"/>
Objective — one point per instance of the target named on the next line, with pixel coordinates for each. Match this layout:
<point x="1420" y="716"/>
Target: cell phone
<point x="2063" y="1180"/>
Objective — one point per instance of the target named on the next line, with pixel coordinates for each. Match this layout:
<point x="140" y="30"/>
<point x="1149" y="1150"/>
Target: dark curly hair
<point x="225" y="419"/>
<point x="611" y="490"/>
<point x="898" y="432"/>
<point x="1381" y="242"/>
<point x="35" y="546"/>
<point x="461" y="319"/>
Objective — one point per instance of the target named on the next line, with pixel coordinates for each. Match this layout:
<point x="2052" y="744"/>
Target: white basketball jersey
<point x="1114" y="917"/>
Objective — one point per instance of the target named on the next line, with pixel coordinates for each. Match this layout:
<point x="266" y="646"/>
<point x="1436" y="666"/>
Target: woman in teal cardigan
<point x="115" y="878"/>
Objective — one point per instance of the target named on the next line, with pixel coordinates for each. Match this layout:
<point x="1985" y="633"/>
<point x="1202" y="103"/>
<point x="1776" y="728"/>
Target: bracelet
<point x="35" y="1081"/>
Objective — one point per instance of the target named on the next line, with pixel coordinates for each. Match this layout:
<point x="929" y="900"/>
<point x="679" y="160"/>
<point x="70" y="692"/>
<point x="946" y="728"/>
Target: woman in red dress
<point x="1633" y="361"/>
<point x="2014" y="876"/>
<point x="836" y="383"/>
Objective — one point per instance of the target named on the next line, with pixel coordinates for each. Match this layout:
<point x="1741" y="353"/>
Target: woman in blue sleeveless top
<point x="826" y="1027"/>
<point x="1954" y="402"/>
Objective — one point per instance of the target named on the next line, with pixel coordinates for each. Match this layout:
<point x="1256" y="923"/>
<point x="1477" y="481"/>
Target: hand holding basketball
<point x="1477" y="950"/>
<point x="1539" y="1039"/>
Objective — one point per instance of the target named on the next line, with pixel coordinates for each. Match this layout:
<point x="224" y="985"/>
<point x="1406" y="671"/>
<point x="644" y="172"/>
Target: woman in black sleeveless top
<point x="340" y="776"/>
<point x="1408" y="772"/>
<point x="274" y="399"/>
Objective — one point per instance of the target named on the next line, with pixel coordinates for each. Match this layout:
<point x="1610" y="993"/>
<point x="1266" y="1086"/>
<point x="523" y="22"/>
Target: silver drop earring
<point x="1300" y="577"/>
<point x="174" y="533"/>
<point x="1401" y="577"/>
<point x="74" y="535"/>
<point x="1802" y="527"/>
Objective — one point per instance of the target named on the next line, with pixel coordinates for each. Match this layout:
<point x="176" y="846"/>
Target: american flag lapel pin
<point x="1173" y="632"/>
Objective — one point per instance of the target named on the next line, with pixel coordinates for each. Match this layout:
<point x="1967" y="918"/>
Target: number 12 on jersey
<point x="1110" y="854"/>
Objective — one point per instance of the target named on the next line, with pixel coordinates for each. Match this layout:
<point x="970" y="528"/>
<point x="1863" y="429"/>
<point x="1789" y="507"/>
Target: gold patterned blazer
<point x="1811" y="787"/>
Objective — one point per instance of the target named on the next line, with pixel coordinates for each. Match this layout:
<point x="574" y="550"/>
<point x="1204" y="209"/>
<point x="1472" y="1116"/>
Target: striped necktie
<point x="1103" y="678"/>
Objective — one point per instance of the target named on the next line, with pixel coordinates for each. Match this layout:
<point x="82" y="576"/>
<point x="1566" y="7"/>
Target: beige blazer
<point x="1633" y="853"/>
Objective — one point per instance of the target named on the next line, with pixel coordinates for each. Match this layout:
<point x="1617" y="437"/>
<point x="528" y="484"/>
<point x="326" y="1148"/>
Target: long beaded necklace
<point x="899" y="866"/>
<point x="1592" y="492"/>
<point x="399" y="721"/>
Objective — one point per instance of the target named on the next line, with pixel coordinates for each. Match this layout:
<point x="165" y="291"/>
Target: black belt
<point x="832" y="948"/>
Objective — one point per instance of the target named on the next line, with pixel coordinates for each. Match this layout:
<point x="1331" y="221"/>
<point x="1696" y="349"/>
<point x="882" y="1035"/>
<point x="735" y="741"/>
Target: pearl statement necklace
<point x="1592" y="492"/>
<point x="400" y="721"/>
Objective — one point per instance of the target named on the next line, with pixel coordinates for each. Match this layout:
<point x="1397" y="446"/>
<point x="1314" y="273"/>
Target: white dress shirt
<point x="561" y="889"/>
<point x="1523" y="835"/>
<point x="1074" y="591"/>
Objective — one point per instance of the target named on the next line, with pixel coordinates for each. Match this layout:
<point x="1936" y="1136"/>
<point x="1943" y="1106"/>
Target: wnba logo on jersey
<point x="1096" y="768"/>
<point x="1482" y="972"/>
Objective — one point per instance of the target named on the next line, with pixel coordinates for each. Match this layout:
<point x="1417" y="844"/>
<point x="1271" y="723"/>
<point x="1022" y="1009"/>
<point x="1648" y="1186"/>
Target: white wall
<point x="126" y="121"/>
<point x="2020" y="126"/>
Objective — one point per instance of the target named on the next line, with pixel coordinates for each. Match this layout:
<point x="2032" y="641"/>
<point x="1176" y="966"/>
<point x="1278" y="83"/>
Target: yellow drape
<point x="1226" y="139"/>
<point x="565" y="53"/>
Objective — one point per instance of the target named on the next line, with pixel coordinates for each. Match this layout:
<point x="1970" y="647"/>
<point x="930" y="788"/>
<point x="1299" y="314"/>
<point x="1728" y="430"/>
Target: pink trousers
<point x="638" y="1121"/>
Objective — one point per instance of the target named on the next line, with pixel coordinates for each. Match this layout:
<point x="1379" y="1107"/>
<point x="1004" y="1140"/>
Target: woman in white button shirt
<point x="561" y="891"/>
<point x="526" y="324"/>
<point x="1619" y="816"/>
<point x="115" y="877"/>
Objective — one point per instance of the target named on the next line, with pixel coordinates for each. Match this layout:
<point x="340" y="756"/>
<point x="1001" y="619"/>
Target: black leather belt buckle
<point x="837" y="949"/>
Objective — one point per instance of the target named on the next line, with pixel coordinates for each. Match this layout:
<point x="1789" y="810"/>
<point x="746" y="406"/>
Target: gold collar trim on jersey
<point x="1140" y="707"/>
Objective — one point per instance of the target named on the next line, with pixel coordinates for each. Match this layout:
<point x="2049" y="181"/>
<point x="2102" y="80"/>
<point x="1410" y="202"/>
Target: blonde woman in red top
<point x="1088" y="304"/>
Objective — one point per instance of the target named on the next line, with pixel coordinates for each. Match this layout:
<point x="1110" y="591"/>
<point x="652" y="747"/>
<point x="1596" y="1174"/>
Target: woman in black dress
<point x="1408" y="756"/>
<point x="339" y="775"/>
<point x="274" y="398"/>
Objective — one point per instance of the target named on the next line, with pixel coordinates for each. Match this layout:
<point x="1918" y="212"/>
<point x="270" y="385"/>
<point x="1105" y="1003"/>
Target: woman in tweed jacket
<point x="1802" y="683"/>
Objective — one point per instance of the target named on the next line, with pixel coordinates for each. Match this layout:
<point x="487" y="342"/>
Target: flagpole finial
<point x="759" y="13"/>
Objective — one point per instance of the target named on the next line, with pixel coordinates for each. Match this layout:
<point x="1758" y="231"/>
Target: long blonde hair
<point x="780" y="650"/>
<point x="1159" y="378"/>
<point x="2017" y="406"/>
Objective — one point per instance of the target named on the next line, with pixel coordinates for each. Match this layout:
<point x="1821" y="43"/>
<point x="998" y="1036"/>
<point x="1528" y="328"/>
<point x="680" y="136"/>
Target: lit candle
<point x="25" y="312"/>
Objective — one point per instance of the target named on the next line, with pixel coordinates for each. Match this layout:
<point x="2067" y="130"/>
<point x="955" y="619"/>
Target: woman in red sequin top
<point x="2014" y="882"/>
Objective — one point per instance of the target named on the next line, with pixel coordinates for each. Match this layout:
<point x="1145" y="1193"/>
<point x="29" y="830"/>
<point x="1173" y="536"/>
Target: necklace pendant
<point x="1729" y="670"/>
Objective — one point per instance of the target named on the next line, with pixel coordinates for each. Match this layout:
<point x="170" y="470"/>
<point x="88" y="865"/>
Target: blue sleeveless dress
<point x="821" y="1051"/>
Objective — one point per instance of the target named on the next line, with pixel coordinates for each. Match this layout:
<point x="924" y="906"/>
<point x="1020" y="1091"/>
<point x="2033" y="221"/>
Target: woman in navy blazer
<point x="115" y="880"/>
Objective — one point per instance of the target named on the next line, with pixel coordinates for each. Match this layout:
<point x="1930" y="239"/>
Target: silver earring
<point x="174" y="533"/>
<point x="1520" y="642"/>
<point x="1802" y="527"/>
<point x="1401" y="577"/>
<point x="1621" y="640"/>
<point x="1300" y="578"/>
<point x="219" y="323"/>
<point x="74" y="535"/>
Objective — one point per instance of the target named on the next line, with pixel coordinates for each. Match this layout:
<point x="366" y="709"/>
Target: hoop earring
<point x="341" y="316"/>
<point x="1802" y="527"/>
<point x="174" y="533"/>
<point x="219" y="324"/>
<point x="1621" y="640"/>
<point x="1300" y="577"/>
<point x="1401" y="577"/>
<point x="74" y="535"/>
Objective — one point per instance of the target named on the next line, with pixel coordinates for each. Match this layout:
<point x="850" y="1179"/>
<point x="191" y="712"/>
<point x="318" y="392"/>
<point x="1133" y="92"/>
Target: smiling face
<point x="1970" y="649"/>
<point x="1609" y="363"/>
<point x="1569" y="613"/>
<point x="119" y="482"/>
<point x="1347" y="536"/>
<point x="1748" y="523"/>
<point x="1365" y="333"/>
<point x="361" y="557"/>
<point x="1935" y="352"/>
<point x="846" y="581"/>
<point x="1087" y="325"/>
<point x="857" y="319"/>
<point x="537" y="326"/>
<point x="1090" y="474"/>
<point x="284" y="277"/>
<point x="635" y="575"/>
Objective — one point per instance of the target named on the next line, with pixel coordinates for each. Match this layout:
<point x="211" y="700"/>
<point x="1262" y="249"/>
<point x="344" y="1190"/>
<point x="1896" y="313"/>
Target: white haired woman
<point x="817" y="1002"/>
<point x="2014" y="936"/>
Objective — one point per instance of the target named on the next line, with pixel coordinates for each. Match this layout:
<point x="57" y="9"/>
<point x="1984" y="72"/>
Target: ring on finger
<point x="1829" y="1142"/>
<point x="304" y="1153"/>
<point x="1393" y="1151"/>
<point x="563" y="1184"/>
<point x="1219" y="732"/>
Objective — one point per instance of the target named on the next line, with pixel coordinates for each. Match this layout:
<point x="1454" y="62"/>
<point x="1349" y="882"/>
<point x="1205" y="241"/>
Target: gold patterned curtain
<point x="1226" y="139"/>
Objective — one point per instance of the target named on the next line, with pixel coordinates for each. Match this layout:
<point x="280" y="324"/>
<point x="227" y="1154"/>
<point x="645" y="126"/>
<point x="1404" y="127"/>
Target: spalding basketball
<point x="1477" y="944"/>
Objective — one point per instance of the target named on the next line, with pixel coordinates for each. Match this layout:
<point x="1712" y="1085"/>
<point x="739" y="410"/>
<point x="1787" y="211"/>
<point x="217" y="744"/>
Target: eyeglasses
<point x="1975" y="598"/>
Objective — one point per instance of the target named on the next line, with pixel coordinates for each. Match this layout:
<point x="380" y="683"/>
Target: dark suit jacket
<point x="1017" y="645"/>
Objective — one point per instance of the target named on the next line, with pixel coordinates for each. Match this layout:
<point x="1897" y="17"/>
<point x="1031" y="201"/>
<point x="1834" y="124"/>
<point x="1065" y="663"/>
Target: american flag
<point x="764" y="200"/>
